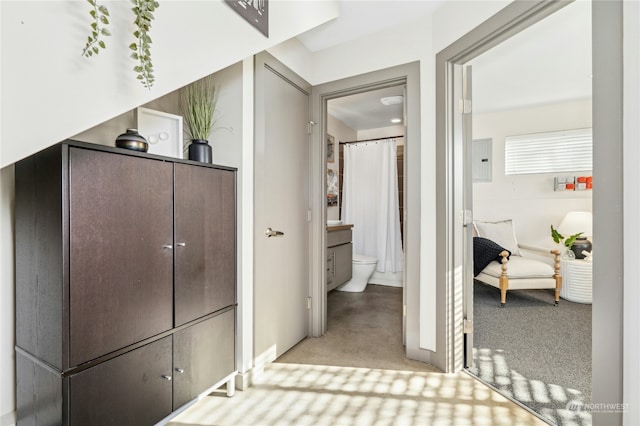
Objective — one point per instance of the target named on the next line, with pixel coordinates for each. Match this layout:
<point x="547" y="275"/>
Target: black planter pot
<point x="579" y="245"/>
<point x="200" y="150"/>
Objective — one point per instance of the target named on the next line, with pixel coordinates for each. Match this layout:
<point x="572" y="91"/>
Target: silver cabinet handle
<point x="180" y="370"/>
<point x="271" y="233"/>
<point x="164" y="376"/>
<point x="181" y="244"/>
<point x="167" y="246"/>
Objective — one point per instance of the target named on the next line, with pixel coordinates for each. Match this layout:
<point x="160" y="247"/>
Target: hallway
<point x="363" y="330"/>
<point x="356" y="374"/>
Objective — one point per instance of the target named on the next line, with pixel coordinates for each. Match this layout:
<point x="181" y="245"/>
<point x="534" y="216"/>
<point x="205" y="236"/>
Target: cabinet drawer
<point x="126" y="390"/>
<point x="204" y="354"/>
<point x="335" y="238"/>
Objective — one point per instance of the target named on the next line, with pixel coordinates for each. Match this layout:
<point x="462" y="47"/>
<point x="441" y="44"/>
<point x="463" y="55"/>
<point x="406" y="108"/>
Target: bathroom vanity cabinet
<point x="125" y="285"/>
<point x="339" y="255"/>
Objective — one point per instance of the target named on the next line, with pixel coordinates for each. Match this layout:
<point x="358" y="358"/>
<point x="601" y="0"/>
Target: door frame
<point x="450" y="163"/>
<point x="610" y="40"/>
<point x="408" y="75"/>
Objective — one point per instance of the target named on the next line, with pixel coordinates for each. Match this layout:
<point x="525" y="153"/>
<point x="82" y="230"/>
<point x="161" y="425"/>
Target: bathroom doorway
<point x="364" y="327"/>
<point x="414" y="323"/>
<point x="365" y="143"/>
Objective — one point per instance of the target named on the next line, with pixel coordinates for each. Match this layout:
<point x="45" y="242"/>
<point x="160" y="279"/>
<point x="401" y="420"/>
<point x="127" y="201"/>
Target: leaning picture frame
<point x="162" y="130"/>
<point x="331" y="149"/>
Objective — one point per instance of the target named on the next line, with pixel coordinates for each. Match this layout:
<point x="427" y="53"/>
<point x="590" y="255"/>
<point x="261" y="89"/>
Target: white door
<point x="281" y="228"/>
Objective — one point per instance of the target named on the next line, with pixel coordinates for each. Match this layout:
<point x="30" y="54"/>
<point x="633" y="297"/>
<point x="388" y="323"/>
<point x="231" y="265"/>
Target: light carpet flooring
<point x="534" y="352"/>
<point x="313" y="384"/>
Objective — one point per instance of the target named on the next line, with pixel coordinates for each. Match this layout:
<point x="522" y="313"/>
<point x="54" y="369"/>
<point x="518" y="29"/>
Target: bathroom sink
<point x="334" y="222"/>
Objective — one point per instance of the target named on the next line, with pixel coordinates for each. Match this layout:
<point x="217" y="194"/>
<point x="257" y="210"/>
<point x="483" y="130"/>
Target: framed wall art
<point x="162" y="130"/>
<point x="255" y="12"/>
<point x="331" y="149"/>
<point x="332" y="188"/>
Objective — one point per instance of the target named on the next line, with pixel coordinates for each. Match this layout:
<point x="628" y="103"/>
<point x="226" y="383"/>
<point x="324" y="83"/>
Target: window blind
<point x="549" y="152"/>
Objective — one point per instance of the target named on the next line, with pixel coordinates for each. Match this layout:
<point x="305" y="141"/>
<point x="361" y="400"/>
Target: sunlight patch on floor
<point x="298" y="394"/>
<point x="549" y="400"/>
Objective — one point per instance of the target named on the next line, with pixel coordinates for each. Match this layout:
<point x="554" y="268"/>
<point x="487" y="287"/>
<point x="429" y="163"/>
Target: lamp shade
<point x="576" y="222"/>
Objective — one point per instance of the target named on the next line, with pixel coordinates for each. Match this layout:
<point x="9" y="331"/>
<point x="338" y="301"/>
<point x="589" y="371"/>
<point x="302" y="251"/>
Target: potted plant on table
<point x="567" y="241"/>
<point x="198" y="104"/>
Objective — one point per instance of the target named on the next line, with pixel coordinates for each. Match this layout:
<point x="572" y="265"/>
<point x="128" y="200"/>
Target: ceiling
<point x="549" y="62"/>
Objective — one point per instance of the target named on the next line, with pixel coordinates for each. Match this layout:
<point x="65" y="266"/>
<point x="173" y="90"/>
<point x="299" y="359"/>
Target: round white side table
<point x="576" y="280"/>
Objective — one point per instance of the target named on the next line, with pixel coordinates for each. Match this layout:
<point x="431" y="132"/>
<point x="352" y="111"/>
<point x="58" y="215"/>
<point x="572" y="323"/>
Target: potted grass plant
<point x="198" y="104"/>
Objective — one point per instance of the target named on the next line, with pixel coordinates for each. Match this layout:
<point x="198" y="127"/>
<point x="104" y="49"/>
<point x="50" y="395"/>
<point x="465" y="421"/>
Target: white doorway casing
<point x="615" y="394"/>
<point x="408" y="75"/>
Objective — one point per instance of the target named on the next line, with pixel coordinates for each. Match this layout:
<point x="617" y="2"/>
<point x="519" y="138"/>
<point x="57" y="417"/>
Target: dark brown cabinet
<point x="125" y="284"/>
<point x="205" y="236"/>
<point x="194" y="346"/>
<point x="120" y="223"/>
<point x="130" y="390"/>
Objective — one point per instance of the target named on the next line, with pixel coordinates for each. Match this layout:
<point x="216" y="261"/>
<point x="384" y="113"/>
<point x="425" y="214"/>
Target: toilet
<point x="363" y="268"/>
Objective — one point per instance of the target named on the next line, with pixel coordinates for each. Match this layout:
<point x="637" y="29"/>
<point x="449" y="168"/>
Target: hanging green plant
<point x="100" y="15"/>
<point x="143" y="10"/>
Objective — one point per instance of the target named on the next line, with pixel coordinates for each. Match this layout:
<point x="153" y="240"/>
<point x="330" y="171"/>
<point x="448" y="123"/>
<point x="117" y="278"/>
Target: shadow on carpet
<point x="535" y="353"/>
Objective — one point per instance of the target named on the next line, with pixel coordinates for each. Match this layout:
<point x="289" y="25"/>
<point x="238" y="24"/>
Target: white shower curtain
<point x="370" y="202"/>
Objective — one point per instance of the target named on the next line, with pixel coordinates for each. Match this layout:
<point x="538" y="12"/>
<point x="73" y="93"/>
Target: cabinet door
<point x="121" y="276"/>
<point x="204" y="354"/>
<point x="343" y="263"/>
<point x="330" y="264"/>
<point x="126" y="390"/>
<point x="205" y="241"/>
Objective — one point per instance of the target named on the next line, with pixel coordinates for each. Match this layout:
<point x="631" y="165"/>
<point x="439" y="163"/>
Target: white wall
<point x="50" y="92"/>
<point x="528" y="199"/>
<point x="226" y="136"/>
<point x="341" y="132"/>
<point x="382" y="132"/>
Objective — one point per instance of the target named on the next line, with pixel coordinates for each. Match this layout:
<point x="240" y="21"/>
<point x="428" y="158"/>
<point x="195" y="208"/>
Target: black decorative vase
<point x="200" y="150"/>
<point x="580" y="245"/>
<point x="131" y="139"/>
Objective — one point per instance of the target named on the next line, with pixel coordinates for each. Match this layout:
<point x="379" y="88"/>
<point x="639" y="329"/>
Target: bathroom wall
<point x="341" y="132"/>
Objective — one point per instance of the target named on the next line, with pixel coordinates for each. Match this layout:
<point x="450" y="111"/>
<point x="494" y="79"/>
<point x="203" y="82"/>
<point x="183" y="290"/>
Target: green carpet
<point x="536" y="353"/>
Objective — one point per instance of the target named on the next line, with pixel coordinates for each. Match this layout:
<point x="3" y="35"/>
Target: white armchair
<point x="511" y="270"/>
